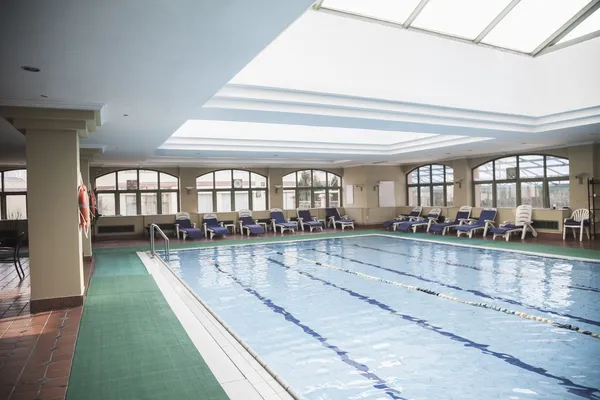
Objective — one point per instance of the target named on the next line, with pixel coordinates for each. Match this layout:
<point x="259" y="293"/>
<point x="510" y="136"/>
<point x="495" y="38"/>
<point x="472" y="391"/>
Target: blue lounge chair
<point x="248" y="224"/>
<point x="522" y="224"/>
<point x="184" y="225"/>
<point x="305" y="219"/>
<point x="213" y="227"/>
<point x="463" y="214"/>
<point x="486" y="219"/>
<point x="278" y="220"/>
<point x="431" y="217"/>
<point x="415" y="213"/>
<point x="580" y="219"/>
<point x="334" y="218"/>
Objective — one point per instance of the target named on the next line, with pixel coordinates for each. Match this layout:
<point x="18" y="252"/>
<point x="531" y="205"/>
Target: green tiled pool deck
<point x="131" y="345"/>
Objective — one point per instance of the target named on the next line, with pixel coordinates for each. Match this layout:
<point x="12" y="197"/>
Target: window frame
<point x="545" y="179"/>
<point x="312" y="188"/>
<point x="138" y="192"/>
<point x="429" y="184"/>
<point x="233" y="190"/>
<point x="4" y="194"/>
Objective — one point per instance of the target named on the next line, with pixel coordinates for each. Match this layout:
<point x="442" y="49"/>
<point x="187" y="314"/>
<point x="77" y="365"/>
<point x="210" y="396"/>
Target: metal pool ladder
<point x="153" y="228"/>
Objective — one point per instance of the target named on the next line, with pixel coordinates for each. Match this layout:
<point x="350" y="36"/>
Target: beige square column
<point x="85" y="175"/>
<point x="55" y="251"/>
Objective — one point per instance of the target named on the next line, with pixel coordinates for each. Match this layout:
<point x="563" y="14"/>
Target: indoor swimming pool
<point x="378" y="317"/>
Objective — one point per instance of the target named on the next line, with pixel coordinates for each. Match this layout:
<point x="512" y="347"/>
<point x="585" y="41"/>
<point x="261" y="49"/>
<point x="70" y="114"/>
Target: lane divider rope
<point x="452" y="298"/>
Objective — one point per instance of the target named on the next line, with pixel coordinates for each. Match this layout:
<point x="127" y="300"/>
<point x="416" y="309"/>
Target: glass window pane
<point x="484" y="172"/>
<point x="289" y="180"/>
<point x="106" y="204"/>
<point x="412" y="177"/>
<point x="127" y="204"/>
<point x="531" y="167"/>
<point x="127" y="180"/>
<point x="506" y="168"/>
<point x="483" y="195"/>
<point x="532" y="193"/>
<point x="449" y="175"/>
<point x="319" y="199"/>
<point x="438" y="196"/>
<point x="168" y="182"/>
<point x="205" y="202"/>
<point x="15" y="180"/>
<point x="241" y="179"/>
<point x="319" y="178"/>
<point x="531" y="22"/>
<point x="464" y="18"/>
<point x="388" y="10"/>
<point x="425" y="196"/>
<point x="107" y="182"/>
<point x="223" y="201"/>
<point x="304" y="198"/>
<point x="556" y="166"/>
<point x="506" y="195"/>
<point x="16" y="206"/>
<point x="242" y="201"/>
<point x="424" y="174"/>
<point x="205" y="181"/>
<point x="334" y="198"/>
<point x="589" y="25"/>
<point x="258" y="181"/>
<point x="168" y="203"/>
<point x="437" y="173"/>
<point x="304" y="178"/>
<point x="223" y="179"/>
<point x="558" y="192"/>
<point x="149" y="203"/>
<point x="413" y="196"/>
<point x="289" y="199"/>
<point x="334" y="180"/>
<point x="259" y="200"/>
<point x="148" y="180"/>
<point x="450" y="195"/>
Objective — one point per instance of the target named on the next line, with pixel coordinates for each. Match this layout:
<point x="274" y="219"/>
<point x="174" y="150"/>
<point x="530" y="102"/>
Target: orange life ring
<point x="84" y="208"/>
<point x="92" y="204"/>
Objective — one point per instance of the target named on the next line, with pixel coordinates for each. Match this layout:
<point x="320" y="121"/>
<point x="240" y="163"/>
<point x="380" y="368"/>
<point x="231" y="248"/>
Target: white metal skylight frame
<point x="550" y="44"/>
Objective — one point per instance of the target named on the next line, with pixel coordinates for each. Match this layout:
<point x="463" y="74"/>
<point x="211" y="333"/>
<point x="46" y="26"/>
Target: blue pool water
<point x="333" y="318"/>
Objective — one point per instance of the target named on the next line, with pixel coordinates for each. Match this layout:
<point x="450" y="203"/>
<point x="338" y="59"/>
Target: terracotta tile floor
<point x="36" y="350"/>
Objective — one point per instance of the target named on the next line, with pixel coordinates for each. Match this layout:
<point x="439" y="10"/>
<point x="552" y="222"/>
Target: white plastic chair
<point x="580" y="219"/>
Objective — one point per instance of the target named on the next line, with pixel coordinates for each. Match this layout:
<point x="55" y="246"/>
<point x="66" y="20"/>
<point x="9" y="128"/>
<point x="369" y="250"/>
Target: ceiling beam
<point x="411" y="18"/>
<point x="571" y="24"/>
<point x="496" y="21"/>
<point x="318" y="4"/>
<point x="571" y="42"/>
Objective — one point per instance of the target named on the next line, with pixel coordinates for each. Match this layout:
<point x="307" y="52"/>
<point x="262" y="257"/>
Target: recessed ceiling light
<point x="29" y="68"/>
<point x="43" y="96"/>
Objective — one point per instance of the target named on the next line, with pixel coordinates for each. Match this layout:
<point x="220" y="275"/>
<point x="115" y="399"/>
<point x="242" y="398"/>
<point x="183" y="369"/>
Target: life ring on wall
<point x="92" y="204"/>
<point x="84" y="208"/>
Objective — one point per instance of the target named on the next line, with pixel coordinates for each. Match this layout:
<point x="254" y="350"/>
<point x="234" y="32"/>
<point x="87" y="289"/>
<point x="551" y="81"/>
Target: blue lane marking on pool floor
<point x="579" y="390"/>
<point x="363" y="369"/>
<point x="475" y="292"/>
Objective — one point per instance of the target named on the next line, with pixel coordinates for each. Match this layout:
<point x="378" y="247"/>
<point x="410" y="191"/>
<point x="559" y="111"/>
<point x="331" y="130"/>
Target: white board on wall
<point x="349" y="194"/>
<point x="387" y="197"/>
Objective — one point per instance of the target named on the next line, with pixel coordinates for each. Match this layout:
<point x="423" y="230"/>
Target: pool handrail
<point x="153" y="228"/>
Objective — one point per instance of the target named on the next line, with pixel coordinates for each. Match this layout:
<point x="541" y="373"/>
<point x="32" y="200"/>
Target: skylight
<point x="525" y="26"/>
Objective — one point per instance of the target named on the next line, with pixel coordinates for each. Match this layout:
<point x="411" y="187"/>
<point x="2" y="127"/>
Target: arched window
<point x="430" y="185"/>
<point x="13" y="194"/>
<point x="137" y="192"/>
<point x="538" y="180"/>
<point x="231" y="190"/>
<point x="311" y="189"/>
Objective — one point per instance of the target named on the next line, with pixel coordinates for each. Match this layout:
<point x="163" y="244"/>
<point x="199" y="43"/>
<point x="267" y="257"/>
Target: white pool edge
<point x="270" y="386"/>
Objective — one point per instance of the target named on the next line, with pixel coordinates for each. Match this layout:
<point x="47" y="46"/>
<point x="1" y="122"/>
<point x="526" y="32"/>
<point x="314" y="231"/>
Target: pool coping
<point x="227" y="349"/>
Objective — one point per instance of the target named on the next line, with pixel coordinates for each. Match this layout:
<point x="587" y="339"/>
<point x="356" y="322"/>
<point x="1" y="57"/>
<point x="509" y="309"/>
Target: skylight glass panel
<point x="589" y="25"/>
<point x="463" y="18"/>
<point x="531" y="22"/>
<point x="396" y="11"/>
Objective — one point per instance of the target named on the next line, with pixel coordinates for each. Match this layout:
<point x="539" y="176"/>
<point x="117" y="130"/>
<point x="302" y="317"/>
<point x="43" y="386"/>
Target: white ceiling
<point x="327" y="91"/>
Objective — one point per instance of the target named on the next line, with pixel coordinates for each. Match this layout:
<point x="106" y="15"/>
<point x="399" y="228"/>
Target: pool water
<point x="342" y="318"/>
